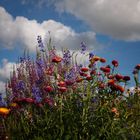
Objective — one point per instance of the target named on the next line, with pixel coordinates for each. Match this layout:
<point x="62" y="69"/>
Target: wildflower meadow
<point x="56" y="97"/>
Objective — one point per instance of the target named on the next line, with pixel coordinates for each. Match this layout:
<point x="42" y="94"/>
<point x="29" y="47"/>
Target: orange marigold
<point x="4" y="111"/>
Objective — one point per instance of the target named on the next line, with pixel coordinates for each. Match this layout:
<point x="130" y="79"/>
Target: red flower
<point x="83" y="74"/>
<point x="119" y="88"/>
<point x="102" y="85"/>
<point x="93" y="72"/>
<point x="48" y="89"/>
<point x="69" y="83"/>
<point x="49" y="101"/>
<point x="126" y="78"/>
<point x="119" y="77"/>
<point x="96" y="58"/>
<point x="57" y="59"/>
<point x="88" y="78"/>
<point x="62" y="89"/>
<point x="29" y="100"/>
<point x="102" y="60"/>
<point x="110" y="76"/>
<point x="61" y="84"/>
<point x="84" y="69"/>
<point x="105" y="69"/>
<point x="114" y="110"/>
<point x="78" y="80"/>
<point x="111" y="82"/>
<point x="137" y="67"/>
<point x="115" y="63"/>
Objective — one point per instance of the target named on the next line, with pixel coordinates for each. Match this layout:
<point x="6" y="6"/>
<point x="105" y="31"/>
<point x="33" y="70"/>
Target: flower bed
<point x="54" y="97"/>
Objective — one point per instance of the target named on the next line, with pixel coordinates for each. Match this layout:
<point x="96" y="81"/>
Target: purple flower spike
<point x="83" y="47"/>
<point x="67" y="57"/>
<point x="40" y="44"/>
<point x="91" y="54"/>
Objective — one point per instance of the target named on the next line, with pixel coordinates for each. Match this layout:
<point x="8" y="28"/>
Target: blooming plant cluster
<point x="55" y="97"/>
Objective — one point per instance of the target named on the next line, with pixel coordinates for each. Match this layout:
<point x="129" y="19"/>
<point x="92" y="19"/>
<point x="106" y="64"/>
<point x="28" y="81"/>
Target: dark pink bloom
<point x="115" y="63"/>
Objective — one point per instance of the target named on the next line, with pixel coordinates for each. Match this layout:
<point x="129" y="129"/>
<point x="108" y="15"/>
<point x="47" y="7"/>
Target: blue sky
<point x="111" y="28"/>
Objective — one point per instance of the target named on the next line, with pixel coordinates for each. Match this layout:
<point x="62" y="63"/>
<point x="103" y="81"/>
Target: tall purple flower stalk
<point x="40" y="44"/>
<point x="83" y="47"/>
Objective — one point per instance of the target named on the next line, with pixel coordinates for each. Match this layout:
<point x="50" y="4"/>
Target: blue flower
<point x="91" y="54"/>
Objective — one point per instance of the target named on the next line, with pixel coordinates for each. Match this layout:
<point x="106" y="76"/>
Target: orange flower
<point x="14" y="105"/>
<point x="4" y="111"/>
<point x="111" y="82"/>
<point x="57" y="59"/>
<point x="119" y="88"/>
<point x="102" y="60"/>
<point x="78" y="80"/>
<point x="114" y="110"/>
<point x="61" y="84"/>
<point x="96" y="58"/>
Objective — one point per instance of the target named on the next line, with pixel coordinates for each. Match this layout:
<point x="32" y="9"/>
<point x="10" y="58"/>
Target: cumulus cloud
<point x="24" y="32"/>
<point x="2" y="87"/>
<point x="5" y="69"/>
<point x="119" y="19"/>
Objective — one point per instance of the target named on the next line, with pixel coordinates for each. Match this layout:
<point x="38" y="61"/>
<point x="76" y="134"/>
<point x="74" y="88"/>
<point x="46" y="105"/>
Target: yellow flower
<point x="13" y="104"/>
<point x="4" y="111"/>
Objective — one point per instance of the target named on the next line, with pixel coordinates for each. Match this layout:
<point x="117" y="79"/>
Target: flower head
<point x="56" y="59"/>
<point x="137" y="67"/>
<point x="115" y="63"/>
<point x="4" y="111"/>
<point x="102" y="60"/>
<point x="83" y="47"/>
<point x="126" y="78"/>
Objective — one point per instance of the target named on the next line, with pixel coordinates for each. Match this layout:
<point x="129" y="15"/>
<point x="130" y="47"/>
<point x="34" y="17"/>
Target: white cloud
<point x="5" y="69"/>
<point x="24" y="32"/>
<point x="2" y="87"/>
<point x="119" y="19"/>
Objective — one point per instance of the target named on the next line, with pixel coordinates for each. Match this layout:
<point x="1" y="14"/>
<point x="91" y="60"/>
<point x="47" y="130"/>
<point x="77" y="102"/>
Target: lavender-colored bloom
<point x="67" y="57"/>
<point x="71" y="75"/>
<point x="40" y="62"/>
<point x="21" y="85"/>
<point x="40" y="44"/>
<point x="36" y="93"/>
<point x="22" y="59"/>
<point x="91" y="54"/>
<point x="1" y="102"/>
<point x="39" y="72"/>
<point x="83" y="47"/>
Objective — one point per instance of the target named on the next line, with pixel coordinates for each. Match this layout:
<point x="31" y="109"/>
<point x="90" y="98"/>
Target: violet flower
<point x="83" y="47"/>
<point x="67" y="57"/>
<point x="40" y="44"/>
<point x="36" y="93"/>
